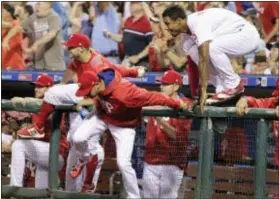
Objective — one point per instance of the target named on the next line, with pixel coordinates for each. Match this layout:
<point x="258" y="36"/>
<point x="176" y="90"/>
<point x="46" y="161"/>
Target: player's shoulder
<point x="124" y="89"/>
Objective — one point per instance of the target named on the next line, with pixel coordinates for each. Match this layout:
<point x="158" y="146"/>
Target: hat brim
<point x="83" y="92"/>
<point x="160" y="80"/>
<point x="68" y="44"/>
<point x="40" y="84"/>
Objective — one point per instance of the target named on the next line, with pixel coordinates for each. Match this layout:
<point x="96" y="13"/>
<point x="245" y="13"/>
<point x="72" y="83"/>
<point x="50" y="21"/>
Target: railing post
<point x="205" y="162"/>
<point x="54" y="151"/>
<point x="260" y="168"/>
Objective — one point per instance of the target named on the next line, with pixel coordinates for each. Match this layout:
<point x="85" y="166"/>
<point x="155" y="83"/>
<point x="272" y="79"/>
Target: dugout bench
<point x="232" y="182"/>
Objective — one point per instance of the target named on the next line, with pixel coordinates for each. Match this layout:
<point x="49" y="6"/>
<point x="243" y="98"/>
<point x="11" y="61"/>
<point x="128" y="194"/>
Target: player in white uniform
<point x="218" y="34"/>
<point x="37" y="151"/>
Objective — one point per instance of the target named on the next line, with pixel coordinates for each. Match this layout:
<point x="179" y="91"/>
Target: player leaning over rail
<point x="118" y="108"/>
<point x="271" y="102"/>
<point x="83" y="59"/>
<point x="211" y="37"/>
<point x="37" y="151"/>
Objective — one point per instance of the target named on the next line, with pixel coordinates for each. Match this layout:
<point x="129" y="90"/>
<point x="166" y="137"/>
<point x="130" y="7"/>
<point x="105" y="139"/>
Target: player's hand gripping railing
<point x="205" y="161"/>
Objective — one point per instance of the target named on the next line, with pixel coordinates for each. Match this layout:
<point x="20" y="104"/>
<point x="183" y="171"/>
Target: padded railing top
<point x="210" y="111"/>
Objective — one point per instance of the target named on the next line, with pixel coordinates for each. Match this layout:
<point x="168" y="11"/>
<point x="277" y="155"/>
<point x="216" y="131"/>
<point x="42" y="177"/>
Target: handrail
<point x="210" y="111"/>
<point x="204" y="180"/>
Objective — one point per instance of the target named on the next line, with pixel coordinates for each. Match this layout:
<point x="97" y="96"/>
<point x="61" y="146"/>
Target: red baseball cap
<point x="44" y="80"/>
<point x="78" y="40"/>
<point x="171" y="77"/>
<point x="276" y="91"/>
<point x="86" y="82"/>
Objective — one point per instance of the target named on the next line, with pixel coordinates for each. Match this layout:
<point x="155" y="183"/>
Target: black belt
<point x="112" y="53"/>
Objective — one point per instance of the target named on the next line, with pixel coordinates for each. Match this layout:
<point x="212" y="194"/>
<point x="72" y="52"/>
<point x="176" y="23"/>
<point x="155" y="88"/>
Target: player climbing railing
<point x="205" y="161"/>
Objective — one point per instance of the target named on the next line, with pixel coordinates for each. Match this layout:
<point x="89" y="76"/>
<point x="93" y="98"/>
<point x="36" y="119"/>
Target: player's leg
<point x="151" y="181"/>
<point x="75" y="121"/>
<point x="93" y="169"/>
<point x="170" y="182"/>
<point x="33" y="150"/>
<point x="41" y="179"/>
<point x="90" y="130"/>
<point x="124" y="140"/>
<point x="56" y="95"/>
<point x="243" y="41"/>
<point x="70" y="183"/>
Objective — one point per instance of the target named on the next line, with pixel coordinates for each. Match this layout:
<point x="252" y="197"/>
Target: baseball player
<point x="272" y="102"/>
<point x="83" y="59"/>
<point x="37" y="151"/>
<point x="217" y="34"/>
<point x="166" y="147"/>
<point x="118" y="108"/>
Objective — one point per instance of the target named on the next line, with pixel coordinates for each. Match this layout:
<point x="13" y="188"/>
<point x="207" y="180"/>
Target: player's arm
<point x="169" y="130"/>
<point x="114" y="37"/>
<point x="203" y="64"/>
<point x="136" y="71"/>
<point x="250" y="102"/>
<point x="203" y="70"/>
<point x="68" y="76"/>
<point x="138" y="97"/>
<point x="11" y="33"/>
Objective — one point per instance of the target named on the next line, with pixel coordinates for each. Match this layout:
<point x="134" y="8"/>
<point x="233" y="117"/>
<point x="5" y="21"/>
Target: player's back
<point x="216" y="21"/>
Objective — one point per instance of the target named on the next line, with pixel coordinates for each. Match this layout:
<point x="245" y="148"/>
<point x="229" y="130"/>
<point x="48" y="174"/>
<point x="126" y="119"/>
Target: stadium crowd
<point x="125" y="32"/>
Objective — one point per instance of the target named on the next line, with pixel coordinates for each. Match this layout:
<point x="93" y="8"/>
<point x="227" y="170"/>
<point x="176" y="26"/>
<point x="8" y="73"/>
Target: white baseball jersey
<point x="230" y="36"/>
<point x="213" y="23"/>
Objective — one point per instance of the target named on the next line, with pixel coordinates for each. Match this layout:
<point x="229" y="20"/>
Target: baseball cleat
<point x="77" y="169"/>
<point x="226" y="94"/>
<point x="88" y="188"/>
<point x="31" y="132"/>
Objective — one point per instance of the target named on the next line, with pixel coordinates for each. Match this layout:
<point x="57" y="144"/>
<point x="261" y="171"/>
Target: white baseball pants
<point x="87" y="137"/>
<point x="76" y="184"/>
<point x="66" y="94"/>
<point x="161" y="181"/>
<point x="239" y="43"/>
<point x="38" y="153"/>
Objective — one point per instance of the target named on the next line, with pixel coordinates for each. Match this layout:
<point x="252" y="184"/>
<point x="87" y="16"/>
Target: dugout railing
<point x="205" y="160"/>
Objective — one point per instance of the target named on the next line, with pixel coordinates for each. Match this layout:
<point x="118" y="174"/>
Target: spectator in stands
<point x="80" y="20"/>
<point x="62" y="12"/>
<point x="250" y="15"/>
<point x="171" y="55"/>
<point x="273" y="60"/>
<point x="260" y="65"/>
<point x="163" y="56"/>
<point x="28" y="11"/>
<point x="239" y="65"/>
<point x="44" y="29"/>
<point x="136" y="37"/>
<point x="269" y="16"/>
<point x="11" y="34"/>
<point x="106" y="18"/>
<point x="19" y="9"/>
